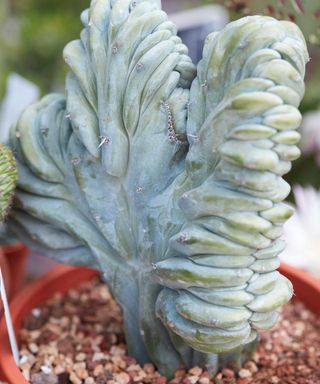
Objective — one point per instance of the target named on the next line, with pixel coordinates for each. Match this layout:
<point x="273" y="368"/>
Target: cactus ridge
<point x="8" y="178"/>
<point x="168" y="178"/>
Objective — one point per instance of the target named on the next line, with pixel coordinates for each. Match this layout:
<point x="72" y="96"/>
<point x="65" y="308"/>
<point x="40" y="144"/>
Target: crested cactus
<point x="8" y="178"/>
<point x="168" y="178"/>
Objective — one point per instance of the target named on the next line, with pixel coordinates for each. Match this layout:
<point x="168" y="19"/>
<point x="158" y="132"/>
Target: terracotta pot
<point x="63" y="278"/>
<point x="16" y="257"/>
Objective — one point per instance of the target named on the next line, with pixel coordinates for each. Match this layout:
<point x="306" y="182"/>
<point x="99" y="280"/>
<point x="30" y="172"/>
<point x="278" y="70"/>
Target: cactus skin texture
<point x="169" y="179"/>
<point x="8" y="179"/>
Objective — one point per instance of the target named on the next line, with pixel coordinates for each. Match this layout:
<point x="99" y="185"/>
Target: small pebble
<point x="98" y="370"/>
<point x="46" y="370"/>
<point x="81" y="372"/>
<point x="195" y="371"/>
<point x="122" y="378"/>
<point x="33" y="347"/>
<point x="23" y="359"/>
<point x="251" y="366"/>
<point x="74" y="378"/>
<point x="204" y="380"/>
<point x="149" y="368"/>
<point x="244" y="373"/>
<point x="98" y="356"/>
<point x="228" y="373"/>
<point x="81" y="357"/>
<point x="36" y="312"/>
<point x="63" y="378"/>
<point x="193" y="379"/>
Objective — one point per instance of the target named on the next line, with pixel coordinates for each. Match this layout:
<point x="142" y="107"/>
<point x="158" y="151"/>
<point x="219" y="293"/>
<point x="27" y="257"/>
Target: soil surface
<point x="78" y="338"/>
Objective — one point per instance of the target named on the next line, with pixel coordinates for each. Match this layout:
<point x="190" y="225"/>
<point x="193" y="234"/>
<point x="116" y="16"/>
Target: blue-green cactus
<point x="168" y="179"/>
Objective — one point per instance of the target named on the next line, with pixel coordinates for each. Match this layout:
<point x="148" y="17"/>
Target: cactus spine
<point x="168" y="178"/>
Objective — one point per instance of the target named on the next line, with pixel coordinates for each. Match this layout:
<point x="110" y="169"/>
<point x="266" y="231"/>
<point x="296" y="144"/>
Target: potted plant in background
<point x="168" y="179"/>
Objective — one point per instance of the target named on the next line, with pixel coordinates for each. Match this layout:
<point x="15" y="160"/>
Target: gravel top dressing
<point x="78" y="338"/>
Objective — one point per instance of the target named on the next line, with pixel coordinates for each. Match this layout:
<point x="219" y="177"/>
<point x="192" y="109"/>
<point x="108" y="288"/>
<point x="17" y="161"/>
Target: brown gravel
<point x="78" y="339"/>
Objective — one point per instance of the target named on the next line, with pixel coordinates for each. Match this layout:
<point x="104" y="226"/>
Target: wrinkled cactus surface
<point x="8" y="178"/>
<point x="168" y="178"/>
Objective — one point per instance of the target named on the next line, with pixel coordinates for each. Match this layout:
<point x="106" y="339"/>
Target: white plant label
<point x="12" y="338"/>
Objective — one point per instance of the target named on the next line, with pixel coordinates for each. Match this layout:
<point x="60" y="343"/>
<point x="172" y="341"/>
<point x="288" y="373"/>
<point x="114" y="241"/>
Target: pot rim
<point x="40" y="290"/>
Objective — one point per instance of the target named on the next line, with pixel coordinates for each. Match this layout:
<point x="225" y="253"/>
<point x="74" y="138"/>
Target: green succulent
<point x="168" y="178"/>
<point x="8" y="178"/>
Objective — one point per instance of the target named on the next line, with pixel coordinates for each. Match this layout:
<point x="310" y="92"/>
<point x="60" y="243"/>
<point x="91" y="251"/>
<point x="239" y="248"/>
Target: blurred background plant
<point x="34" y="33"/>
<point x="3" y="15"/>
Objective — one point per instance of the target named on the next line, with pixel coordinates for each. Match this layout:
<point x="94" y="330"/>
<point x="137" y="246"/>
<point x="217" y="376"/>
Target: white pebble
<point x="46" y="370"/>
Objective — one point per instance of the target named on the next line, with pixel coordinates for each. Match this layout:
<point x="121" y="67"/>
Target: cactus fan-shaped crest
<point x="8" y="179"/>
<point x="168" y="178"/>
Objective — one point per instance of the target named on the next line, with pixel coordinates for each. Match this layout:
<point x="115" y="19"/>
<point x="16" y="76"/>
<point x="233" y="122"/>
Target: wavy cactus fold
<point x="232" y="203"/>
<point x="168" y="178"/>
